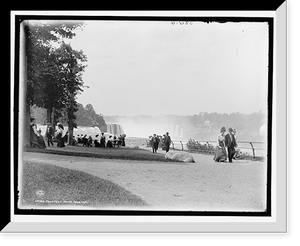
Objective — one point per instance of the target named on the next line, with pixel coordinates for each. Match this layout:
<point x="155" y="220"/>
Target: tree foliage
<point x="53" y="68"/>
<point x="86" y="116"/>
<point x="43" y="77"/>
<point x="70" y="69"/>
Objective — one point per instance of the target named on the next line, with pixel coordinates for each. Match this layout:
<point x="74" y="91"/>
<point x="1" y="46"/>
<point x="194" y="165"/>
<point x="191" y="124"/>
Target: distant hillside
<point x="87" y="116"/>
<point x="203" y="126"/>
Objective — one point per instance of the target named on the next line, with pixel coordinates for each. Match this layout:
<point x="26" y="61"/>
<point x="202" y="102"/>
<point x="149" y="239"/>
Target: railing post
<point x="207" y="150"/>
<point x="181" y="145"/>
<point x="173" y="144"/>
<point x="252" y="150"/>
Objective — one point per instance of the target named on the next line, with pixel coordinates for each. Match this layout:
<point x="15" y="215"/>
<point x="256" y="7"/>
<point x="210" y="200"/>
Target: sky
<point x="160" y="68"/>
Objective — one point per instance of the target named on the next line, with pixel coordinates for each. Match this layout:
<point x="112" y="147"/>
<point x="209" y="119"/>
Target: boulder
<point x="180" y="156"/>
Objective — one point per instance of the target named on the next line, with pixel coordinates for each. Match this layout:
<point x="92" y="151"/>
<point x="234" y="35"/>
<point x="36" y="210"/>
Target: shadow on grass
<point x="48" y="185"/>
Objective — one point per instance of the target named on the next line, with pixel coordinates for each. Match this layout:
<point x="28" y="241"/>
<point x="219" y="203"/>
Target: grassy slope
<point x="62" y="186"/>
<point x="107" y="153"/>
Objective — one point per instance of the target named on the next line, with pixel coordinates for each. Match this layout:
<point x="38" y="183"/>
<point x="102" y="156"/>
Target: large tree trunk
<point x="70" y="125"/>
<point x="71" y="131"/>
<point x="49" y="113"/>
<point x="53" y="122"/>
<point x="26" y="129"/>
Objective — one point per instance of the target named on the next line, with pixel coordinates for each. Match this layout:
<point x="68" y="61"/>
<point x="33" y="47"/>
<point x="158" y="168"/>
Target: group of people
<point x="83" y="139"/>
<point x="37" y="140"/>
<point x="100" y="141"/>
<point x="226" y="145"/>
<point x="165" y="140"/>
<point x="225" y="149"/>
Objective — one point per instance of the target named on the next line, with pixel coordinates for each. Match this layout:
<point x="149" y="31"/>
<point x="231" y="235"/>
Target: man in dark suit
<point x="155" y="143"/>
<point x="167" y="142"/>
<point x="49" y="134"/>
<point x="230" y="144"/>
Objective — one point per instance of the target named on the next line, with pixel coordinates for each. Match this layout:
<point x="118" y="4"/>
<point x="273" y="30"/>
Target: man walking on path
<point x="155" y="143"/>
<point x="167" y="142"/>
<point x="230" y="143"/>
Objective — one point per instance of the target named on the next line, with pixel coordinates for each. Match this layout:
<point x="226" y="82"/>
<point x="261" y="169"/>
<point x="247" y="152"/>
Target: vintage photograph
<point x="144" y="115"/>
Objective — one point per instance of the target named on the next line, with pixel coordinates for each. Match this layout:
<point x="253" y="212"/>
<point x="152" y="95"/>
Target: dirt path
<point x="201" y="186"/>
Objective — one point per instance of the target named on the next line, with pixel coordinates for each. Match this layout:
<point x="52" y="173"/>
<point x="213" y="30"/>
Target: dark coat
<point x="49" y="132"/>
<point x="167" y="140"/>
<point x="155" y="142"/>
<point x="230" y="142"/>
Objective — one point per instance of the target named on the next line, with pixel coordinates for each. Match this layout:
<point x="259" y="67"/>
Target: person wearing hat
<point x="230" y="144"/>
<point x="237" y="151"/>
<point x="96" y="141"/>
<point x="220" y="153"/>
<point x="59" y="136"/>
<point x="102" y="140"/>
<point x="35" y="139"/>
<point x="167" y="142"/>
<point x="154" y="143"/>
<point x="49" y="134"/>
<point x="33" y="133"/>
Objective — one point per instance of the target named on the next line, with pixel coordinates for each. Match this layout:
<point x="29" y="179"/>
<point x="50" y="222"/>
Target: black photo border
<point x="208" y="19"/>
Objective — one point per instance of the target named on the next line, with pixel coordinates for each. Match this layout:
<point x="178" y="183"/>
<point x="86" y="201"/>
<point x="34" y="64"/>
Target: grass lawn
<point x="49" y="185"/>
<point x="124" y="153"/>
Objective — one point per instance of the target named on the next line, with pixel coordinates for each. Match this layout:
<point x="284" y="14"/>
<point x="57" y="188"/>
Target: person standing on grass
<point x="33" y="133"/>
<point x="49" y="134"/>
<point x="109" y="143"/>
<point x="85" y="140"/>
<point x="59" y="136"/>
<point x="102" y="140"/>
<point x="96" y="141"/>
<point x="167" y="142"/>
<point x="90" y="141"/>
<point x="123" y="140"/>
<point x="66" y="137"/>
<point x="35" y="139"/>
